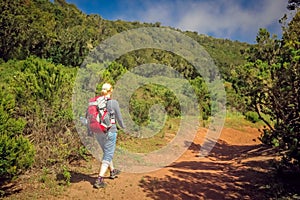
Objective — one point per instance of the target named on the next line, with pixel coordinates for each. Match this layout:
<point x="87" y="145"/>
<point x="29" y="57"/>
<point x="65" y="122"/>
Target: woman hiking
<point x="108" y="140"/>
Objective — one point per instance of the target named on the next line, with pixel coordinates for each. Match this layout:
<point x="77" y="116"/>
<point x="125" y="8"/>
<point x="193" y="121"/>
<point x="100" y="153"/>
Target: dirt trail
<point x="235" y="169"/>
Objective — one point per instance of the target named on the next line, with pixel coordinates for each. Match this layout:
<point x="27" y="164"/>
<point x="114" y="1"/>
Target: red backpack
<point x="99" y="120"/>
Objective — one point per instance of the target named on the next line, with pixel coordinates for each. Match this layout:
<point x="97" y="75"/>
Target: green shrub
<point x="67" y="175"/>
<point x="16" y="152"/>
<point x="252" y="116"/>
<point x="40" y="92"/>
<point x="16" y="155"/>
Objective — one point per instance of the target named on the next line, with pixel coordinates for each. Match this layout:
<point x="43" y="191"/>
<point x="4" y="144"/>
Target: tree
<point x="293" y="4"/>
<point x="270" y="83"/>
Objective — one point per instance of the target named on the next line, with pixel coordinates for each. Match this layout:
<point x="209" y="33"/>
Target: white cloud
<point x="220" y="18"/>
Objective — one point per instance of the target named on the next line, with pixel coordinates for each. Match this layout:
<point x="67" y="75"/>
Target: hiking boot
<point x="114" y="173"/>
<point x="100" y="183"/>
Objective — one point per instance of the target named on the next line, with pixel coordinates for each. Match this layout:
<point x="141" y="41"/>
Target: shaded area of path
<point x="231" y="172"/>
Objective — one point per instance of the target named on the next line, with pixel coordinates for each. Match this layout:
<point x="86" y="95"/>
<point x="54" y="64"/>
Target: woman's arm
<point x="118" y="114"/>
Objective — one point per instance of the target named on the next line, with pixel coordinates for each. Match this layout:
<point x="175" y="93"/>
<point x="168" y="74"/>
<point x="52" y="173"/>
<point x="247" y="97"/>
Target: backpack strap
<point x="95" y="103"/>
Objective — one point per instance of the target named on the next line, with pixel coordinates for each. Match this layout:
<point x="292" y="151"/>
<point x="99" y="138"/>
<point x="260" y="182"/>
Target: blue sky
<point x="231" y="19"/>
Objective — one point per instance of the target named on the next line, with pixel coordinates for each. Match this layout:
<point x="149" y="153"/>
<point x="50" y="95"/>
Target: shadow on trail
<point x="77" y="177"/>
<point x="229" y="172"/>
<point x="8" y="188"/>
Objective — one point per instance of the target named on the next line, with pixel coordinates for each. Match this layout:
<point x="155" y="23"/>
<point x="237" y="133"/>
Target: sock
<point x="103" y="168"/>
<point x="111" y="166"/>
<point x="100" y="178"/>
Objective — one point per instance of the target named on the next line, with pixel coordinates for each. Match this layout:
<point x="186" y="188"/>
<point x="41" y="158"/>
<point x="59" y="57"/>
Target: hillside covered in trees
<point x="43" y="45"/>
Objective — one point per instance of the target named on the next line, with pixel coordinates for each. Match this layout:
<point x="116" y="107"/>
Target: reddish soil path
<point x="235" y="169"/>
